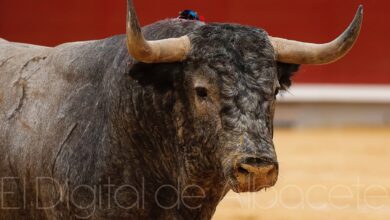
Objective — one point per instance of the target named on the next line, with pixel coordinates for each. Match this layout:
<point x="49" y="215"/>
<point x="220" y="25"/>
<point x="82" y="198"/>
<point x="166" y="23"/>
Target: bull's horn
<point x="289" y="51"/>
<point x="159" y="51"/>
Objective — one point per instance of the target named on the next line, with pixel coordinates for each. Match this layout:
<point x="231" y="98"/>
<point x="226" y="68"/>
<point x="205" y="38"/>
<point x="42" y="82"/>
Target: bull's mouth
<point x="250" y="184"/>
<point x="250" y="178"/>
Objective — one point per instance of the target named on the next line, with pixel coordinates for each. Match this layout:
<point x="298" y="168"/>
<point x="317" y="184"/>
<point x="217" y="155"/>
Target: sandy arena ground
<point x="324" y="174"/>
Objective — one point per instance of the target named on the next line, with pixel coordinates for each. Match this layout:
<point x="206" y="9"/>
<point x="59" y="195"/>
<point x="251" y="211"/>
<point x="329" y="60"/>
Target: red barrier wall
<point x="53" y="22"/>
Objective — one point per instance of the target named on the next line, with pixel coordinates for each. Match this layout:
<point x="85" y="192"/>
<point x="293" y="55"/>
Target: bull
<point x="159" y="123"/>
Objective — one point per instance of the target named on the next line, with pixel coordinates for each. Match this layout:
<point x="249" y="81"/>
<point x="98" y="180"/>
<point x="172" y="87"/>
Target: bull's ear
<point x="160" y="75"/>
<point x="285" y="73"/>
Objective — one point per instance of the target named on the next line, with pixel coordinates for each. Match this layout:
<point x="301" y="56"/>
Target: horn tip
<point x="360" y="9"/>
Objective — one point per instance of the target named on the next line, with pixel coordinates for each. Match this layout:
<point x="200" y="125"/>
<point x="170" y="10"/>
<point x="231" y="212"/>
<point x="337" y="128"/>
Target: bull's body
<point x="88" y="131"/>
<point x="72" y="113"/>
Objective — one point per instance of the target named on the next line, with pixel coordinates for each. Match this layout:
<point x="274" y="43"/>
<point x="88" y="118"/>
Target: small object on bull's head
<point x="189" y="15"/>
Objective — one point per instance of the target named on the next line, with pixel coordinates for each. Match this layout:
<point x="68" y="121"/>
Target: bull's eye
<point x="201" y="92"/>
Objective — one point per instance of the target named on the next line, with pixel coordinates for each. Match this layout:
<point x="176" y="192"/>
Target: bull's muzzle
<point x="252" y="174"/>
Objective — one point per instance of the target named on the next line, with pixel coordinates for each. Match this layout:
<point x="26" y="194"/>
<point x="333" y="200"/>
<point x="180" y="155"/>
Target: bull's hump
<point x="19" y="45"/>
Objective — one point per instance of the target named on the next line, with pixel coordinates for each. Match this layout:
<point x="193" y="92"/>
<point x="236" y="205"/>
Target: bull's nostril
<point x="271" y="172"/>
<point x="242" y="170"/>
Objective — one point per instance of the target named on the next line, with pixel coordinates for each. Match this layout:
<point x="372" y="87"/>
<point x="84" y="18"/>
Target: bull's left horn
<point x="158" y="51"/>
<point x="289" y="51"/>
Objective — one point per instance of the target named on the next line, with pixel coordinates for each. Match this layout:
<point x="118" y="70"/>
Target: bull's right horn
<point x="159" y="51"/>
<point x="289" y="51"/>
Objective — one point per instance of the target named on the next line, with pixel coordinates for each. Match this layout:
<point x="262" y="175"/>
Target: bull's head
<point x="231" y="76"/>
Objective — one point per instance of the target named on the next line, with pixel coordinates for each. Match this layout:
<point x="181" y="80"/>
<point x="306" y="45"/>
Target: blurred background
<point x="332" y="128"/>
